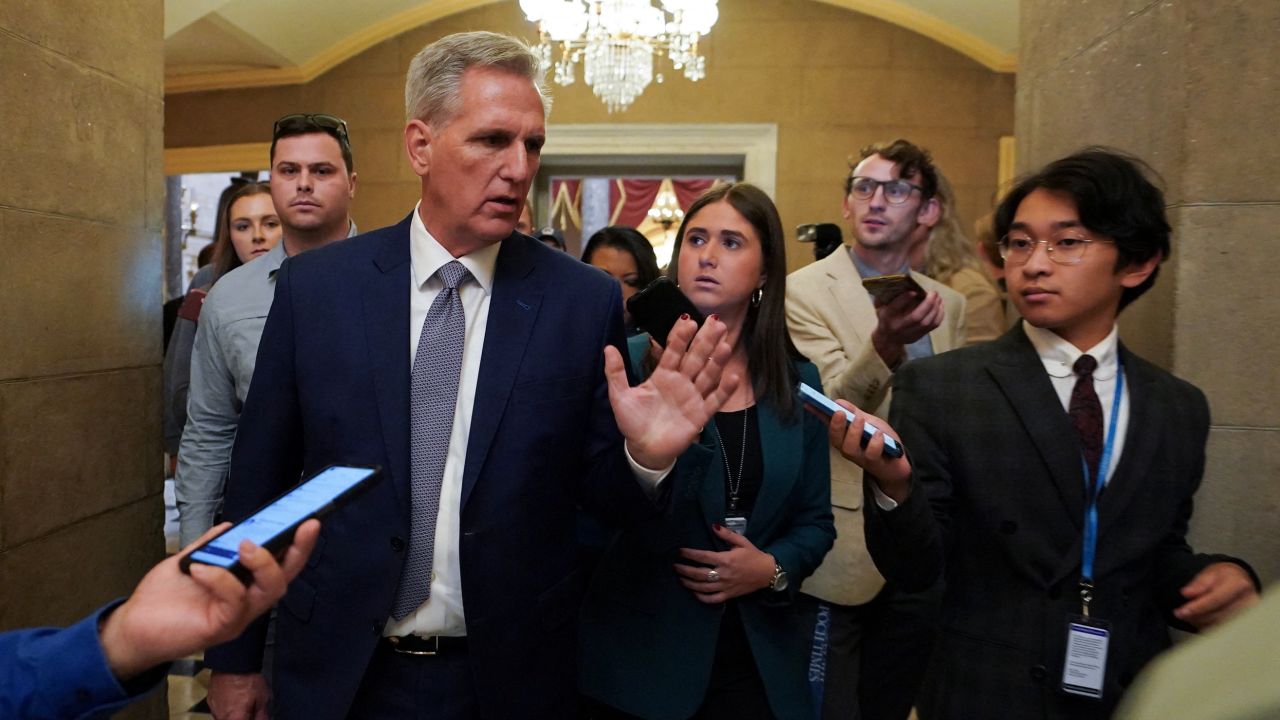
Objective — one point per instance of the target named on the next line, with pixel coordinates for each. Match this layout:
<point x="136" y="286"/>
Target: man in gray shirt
<point x="312" y="184"/>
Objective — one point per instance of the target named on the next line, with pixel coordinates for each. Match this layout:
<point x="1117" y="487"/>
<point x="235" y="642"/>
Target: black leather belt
<point x="434" y="645"/>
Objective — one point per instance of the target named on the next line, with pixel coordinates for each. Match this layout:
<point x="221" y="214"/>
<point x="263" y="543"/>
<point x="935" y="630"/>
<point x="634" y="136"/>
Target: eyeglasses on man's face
<point x="1069" y="249"/>
<point x="896" y="192"/>
<point x="302" y="122"/>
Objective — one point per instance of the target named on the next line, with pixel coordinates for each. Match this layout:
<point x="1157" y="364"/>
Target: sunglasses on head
<point x="292" y="124"/>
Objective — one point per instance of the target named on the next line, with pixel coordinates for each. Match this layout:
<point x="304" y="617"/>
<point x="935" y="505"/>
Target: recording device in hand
<point x="884" y="288"/>
<point x="827" y="407"/>
<point x="272" y="526"/>
<point x="656" y="309"/>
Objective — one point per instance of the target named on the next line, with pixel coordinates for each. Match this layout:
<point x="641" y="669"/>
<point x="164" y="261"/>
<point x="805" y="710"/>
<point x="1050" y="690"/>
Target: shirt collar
<point x="274" y="259"/>
<point x="279" y="259"/>
<point x="1059" y="356"/>
<point x="427" y="256"/>
<point x="866" y="271"/>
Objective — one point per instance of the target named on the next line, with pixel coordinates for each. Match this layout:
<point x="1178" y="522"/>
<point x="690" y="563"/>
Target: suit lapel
<point x="386" y="322"/>
<point x="1141" y="440"/>
<point x="709" y="484"/>
<point x="780" y="446"/>
<point x="847" y="294"/>
<point x="1022" y="379"/>
<point x="513" y="309"/>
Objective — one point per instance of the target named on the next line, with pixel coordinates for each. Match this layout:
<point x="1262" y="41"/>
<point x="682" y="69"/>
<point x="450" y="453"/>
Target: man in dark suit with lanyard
<point x="1051" y="472"/>
<point x="482" y="371"/>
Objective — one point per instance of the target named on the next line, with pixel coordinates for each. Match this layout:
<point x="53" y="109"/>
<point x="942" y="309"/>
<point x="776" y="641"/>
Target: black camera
<point x="826" y="237"/>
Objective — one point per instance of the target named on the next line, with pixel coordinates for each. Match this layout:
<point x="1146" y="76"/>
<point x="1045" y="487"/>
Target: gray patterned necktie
<point x="433" y="398"/>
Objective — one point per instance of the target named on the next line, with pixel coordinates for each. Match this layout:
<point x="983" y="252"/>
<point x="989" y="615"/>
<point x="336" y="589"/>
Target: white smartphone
<point x="828" y="407"/>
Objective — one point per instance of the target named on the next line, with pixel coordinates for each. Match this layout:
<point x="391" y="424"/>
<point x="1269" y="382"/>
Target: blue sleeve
<point x="60" y="673"/>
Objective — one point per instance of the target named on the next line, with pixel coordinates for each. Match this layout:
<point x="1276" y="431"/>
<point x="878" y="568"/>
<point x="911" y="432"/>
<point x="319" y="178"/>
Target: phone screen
<point x="286" y="512"/>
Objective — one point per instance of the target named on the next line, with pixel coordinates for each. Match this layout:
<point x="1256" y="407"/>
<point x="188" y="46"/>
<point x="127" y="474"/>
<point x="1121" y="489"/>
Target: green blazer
<point x="646" y="644"/>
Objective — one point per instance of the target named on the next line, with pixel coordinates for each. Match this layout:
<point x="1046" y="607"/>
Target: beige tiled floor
<point x="187" y="691"/>
<point x="188" y="680"/>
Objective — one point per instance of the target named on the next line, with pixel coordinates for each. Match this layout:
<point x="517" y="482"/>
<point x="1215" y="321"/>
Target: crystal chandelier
<point x="666" y="210"/>
<point x="617" y="39"/>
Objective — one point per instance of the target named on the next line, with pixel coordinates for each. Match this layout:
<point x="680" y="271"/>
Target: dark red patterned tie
<point x="1086" y="413"/>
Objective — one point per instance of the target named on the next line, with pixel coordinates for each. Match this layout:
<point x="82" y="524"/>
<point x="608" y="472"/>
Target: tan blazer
<point x="984" y="316"/>
<point x="831" y="319"/>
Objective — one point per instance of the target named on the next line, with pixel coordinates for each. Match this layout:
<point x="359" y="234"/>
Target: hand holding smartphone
<point x="656" y="309"/>
<point x="828" y="407"/>
<point x="272" y="527"/>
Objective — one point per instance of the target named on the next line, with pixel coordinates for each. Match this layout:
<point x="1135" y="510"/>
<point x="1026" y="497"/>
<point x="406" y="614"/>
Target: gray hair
<point x="435" y="75"/>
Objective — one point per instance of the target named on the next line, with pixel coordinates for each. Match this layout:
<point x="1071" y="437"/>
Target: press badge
<point x="1085" y="666"/>
<point x="736" y="523"/>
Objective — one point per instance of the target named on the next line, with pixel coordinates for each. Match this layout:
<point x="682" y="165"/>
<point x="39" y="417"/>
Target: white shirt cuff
<point x="884" y="502"/>
<point x="650" y="480"/>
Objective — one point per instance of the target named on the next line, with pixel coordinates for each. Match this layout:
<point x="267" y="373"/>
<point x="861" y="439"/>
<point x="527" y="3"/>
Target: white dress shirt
<point x="1059" y="358"/>
<point x="442" y="613"/>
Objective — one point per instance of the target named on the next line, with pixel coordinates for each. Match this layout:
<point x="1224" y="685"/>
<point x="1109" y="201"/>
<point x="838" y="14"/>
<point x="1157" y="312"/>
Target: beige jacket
<point x="831" y="319"/>
<point x="984" y="315"/>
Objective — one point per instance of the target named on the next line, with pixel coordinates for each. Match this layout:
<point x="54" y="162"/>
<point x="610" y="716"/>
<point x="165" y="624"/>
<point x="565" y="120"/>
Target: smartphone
<point x="884" y="288"/>
<point x="828" y="407"/>
<point x="656" y="309"/>
<point x="272" y="527"/>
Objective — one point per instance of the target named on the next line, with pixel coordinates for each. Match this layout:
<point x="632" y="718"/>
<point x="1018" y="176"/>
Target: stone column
<point x="1191" y="88"/>
<point x="81" y="201"/>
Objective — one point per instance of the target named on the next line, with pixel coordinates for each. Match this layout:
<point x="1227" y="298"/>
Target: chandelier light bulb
<point x="564" y="20"/>
<point x="616" y="40"/>
<point x="533" y="9"/>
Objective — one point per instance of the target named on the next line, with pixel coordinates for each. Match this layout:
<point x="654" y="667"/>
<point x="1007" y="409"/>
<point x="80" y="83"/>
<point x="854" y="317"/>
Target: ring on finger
<point x="713" y="576"/>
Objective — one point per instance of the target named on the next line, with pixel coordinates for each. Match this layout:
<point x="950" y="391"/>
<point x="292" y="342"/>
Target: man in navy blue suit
<point x="452" y="590"/>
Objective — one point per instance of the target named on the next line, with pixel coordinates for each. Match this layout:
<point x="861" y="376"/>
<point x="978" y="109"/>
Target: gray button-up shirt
<point x="222" y="362"/>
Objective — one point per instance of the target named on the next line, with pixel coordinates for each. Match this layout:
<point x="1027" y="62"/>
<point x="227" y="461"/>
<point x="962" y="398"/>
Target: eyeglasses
<point x="1064" y="250"/>
<point x="895" y="191"/>
<point x="298" y="123"/>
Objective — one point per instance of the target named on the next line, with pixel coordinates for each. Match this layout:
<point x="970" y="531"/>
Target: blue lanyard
<point x="1093" y="488"/>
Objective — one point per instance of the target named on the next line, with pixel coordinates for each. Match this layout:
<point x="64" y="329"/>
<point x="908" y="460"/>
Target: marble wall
<point x="1191" y="88"/>
<point x="81" y="212"/>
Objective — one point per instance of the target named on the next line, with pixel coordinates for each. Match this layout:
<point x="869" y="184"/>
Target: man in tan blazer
<point x="877" y="638"/>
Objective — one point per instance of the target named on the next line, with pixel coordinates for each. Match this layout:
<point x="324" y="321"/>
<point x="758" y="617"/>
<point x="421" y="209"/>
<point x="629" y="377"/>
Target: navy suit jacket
<point x="332" y="386"/>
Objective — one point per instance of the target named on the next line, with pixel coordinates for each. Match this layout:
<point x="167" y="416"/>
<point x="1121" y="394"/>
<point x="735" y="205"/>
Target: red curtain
<point x="689" y="190"/>
<point x="631" y="200"/>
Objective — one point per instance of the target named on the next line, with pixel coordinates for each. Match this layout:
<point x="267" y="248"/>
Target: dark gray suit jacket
<point x="997" y="507"/>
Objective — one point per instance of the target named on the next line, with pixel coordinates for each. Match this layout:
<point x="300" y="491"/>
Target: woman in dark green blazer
<point x="692" y="614"/>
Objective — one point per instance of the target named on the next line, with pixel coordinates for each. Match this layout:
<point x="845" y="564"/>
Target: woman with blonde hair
<point x="946" y="255"/>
